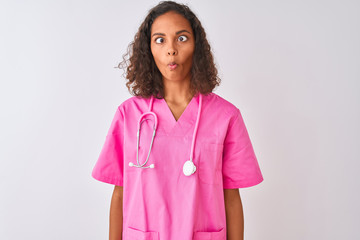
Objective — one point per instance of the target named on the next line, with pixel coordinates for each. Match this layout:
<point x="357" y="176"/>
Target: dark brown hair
<point x="142" y="73"/>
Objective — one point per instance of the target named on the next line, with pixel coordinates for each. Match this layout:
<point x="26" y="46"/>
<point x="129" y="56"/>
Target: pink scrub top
<point x="161" y="202"/>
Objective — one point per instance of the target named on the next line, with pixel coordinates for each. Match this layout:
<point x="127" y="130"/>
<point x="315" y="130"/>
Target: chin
<point x="175" y="77"/>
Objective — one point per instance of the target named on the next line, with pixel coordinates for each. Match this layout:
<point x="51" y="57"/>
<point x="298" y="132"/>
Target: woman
<point x="182" y="182"/>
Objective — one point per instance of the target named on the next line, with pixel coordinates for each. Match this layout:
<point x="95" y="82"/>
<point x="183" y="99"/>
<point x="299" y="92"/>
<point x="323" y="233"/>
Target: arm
<point x="116" y="214"/>
<point x="234" y="215"/>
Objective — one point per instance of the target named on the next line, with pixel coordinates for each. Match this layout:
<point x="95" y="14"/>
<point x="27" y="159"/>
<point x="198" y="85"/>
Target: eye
<point x="159" y="40"/>
<point x="182" y="38"/>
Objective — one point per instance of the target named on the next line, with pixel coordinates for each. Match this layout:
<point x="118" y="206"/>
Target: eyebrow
<point x="181" y="31"/>
<point x="178" y="32"/>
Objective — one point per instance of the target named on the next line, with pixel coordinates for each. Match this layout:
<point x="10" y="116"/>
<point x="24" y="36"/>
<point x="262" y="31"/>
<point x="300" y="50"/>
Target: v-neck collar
<point x="174" y="121"/>
<point x="186" y="119"/>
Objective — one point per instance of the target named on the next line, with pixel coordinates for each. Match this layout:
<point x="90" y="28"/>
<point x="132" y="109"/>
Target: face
<point x="172" y="46"/>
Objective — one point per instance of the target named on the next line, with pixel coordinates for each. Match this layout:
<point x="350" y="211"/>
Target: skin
<point x="234" y="215"/>
<point x="172" y="40"/>
<point x="116" y="214"/>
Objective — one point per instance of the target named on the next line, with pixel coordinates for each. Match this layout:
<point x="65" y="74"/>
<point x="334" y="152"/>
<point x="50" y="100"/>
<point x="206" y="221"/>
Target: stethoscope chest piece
<point x="189" y="168"/>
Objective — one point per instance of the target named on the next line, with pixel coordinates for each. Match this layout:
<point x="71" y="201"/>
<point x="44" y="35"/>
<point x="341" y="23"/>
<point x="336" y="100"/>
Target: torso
<point x="198" y="197"/>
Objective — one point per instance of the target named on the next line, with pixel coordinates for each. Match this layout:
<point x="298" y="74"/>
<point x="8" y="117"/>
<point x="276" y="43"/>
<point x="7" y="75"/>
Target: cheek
<point x="156" y="53"/>
<point x="188" y="55"/>
<point x="189" y="51"/>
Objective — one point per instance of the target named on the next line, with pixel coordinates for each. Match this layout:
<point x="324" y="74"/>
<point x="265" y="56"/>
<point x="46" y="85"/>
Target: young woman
<point x="176" y="152"/>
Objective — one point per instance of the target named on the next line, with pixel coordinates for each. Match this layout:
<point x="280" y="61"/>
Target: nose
<point x="172" y="52"/>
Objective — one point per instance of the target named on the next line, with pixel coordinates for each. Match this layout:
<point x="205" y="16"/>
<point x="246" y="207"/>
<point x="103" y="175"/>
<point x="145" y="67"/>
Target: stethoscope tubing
<point x="138" y="138"/>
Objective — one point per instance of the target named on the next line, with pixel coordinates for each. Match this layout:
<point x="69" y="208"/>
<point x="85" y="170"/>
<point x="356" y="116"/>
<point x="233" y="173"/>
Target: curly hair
<point x="141" y="71"/>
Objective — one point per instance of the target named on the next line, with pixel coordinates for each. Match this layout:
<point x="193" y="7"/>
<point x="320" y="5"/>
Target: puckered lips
<point x="172" y="65"/>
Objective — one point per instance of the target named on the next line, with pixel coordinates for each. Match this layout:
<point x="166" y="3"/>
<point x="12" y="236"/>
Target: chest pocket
<point x="210" y="163"/>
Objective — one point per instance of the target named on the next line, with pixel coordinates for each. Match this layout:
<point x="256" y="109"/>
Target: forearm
<point x="234" y="215"/>
<point x="116" y="216"/>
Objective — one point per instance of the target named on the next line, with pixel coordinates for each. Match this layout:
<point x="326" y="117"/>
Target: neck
<point x="177" y="91"/>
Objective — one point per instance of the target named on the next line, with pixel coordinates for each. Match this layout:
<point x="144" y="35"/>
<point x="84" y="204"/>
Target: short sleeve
<point x="109" y="166"/>
<point x="240" y="166"/>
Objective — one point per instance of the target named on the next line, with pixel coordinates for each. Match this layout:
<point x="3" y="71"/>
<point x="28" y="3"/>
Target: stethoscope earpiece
<point x="133" y="165"/>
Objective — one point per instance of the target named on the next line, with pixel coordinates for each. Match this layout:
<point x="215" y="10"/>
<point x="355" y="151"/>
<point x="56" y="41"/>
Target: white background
<point x="291" y="67"/>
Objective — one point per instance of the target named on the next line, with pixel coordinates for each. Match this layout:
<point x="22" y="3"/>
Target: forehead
<point x="170" y="22"/>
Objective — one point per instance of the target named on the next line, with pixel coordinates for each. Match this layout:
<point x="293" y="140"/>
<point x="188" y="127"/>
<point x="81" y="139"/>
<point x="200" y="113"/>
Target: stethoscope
<point x="189" y="167"/>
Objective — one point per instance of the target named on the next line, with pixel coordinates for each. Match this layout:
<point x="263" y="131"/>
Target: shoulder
<point x="214" y="101"/>
<point x="134" y="101"/>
